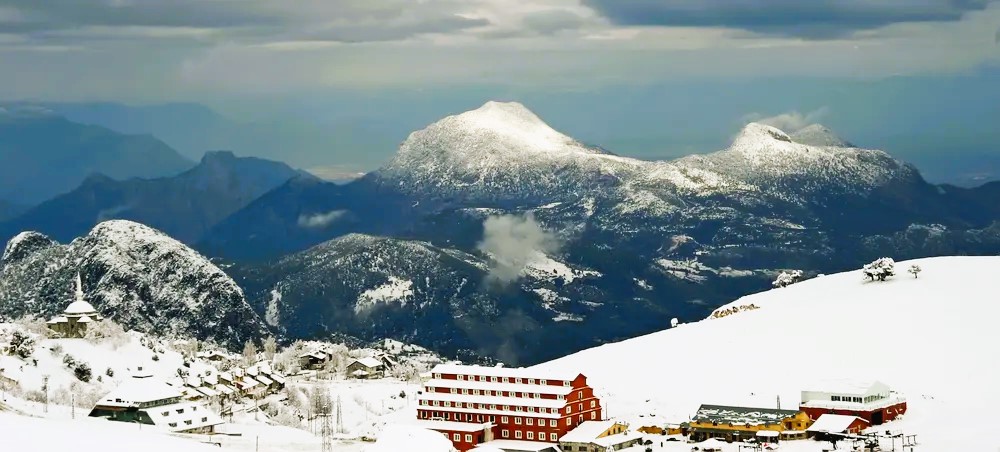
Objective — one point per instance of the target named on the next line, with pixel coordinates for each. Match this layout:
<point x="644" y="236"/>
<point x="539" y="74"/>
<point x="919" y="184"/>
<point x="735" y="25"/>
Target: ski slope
<point x="933" y="339"/>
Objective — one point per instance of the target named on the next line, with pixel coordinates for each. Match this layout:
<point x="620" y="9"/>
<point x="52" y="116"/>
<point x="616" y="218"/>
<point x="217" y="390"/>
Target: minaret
<point x="79" y="288"/>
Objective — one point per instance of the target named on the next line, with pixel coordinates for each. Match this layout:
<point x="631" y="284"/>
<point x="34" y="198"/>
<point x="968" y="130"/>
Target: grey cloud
<point x="514" y="241"/>
<point x="552" y="21"/>
<point x="814" y="19"/>
<point x="252" y="21"/>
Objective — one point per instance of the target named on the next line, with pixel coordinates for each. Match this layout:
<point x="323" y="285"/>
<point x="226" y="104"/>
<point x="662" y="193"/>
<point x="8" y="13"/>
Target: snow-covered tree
<point x="21" y="344"/>
<point x="786" y="279"/>
<point x="250" y="352"/>
<point x="880" y="269"/>
<point x="82" y="372"/>
<point x="270" y="347"/>
<point x="914" y="270"/>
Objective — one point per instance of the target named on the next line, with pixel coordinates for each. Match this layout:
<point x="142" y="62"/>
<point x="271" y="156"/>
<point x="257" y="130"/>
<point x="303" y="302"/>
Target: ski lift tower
<point x="326" y="429"/>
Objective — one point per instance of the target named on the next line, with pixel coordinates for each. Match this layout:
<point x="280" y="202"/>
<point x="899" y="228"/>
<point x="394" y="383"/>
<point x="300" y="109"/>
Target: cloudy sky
<point x="232" y="53"/>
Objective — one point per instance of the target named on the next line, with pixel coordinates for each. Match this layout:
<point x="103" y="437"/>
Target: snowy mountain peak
<point x="23" y="245"/>
<point x="819" y="135"/>
<point x="756" y="133"/>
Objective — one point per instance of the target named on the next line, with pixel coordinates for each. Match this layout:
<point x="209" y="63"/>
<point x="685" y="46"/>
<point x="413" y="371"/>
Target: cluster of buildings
<point x="255" y="382"/>
<point x="366" y="368"/>
<point x="837" y="411"/>
<point x="524" y="410"/>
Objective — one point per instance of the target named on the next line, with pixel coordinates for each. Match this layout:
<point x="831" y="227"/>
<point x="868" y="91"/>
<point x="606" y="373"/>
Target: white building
<point x="145" y="400"/>
<point x="872" y="401"/>
<point x="77" y="317"/>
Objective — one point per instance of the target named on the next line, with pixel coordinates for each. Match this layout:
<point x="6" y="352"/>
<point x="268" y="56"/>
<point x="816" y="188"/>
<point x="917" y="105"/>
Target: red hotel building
<point x="473" y="404"/>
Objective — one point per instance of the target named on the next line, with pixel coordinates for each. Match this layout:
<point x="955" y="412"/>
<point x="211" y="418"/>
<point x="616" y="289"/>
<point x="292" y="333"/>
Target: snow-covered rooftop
<point x="588" y="431"/>
<point x="490" y="386"/>
<point x="510" y="372"/>
<point x="368" y="362"/>
<point x="79" y="307"/>
<point x="833" y="423"/>
<point x="136" y="390"/>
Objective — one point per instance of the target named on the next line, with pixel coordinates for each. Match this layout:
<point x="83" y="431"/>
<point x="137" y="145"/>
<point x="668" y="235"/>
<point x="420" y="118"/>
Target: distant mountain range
<point x="663" y="239"/>
<point x="44" y="155"/>
<point x="490" y="232"/>
<point x="183" y="206"/>
<point x="10" y="210"/>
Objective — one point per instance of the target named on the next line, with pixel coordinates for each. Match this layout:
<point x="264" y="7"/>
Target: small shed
<point x="836" y="426"/>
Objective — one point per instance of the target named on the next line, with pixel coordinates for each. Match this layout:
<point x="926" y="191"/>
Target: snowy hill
<point x="133" y="274"/>
<point x="929" y="338"/>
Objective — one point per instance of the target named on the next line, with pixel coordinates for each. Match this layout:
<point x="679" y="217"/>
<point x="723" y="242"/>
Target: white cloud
<point x="790" y="122"/>
<point x="321" y="220"/>
<point x="514" y="241"/>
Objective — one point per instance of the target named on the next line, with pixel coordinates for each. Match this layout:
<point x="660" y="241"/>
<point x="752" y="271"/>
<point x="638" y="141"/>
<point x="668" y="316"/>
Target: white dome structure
<point x="74" y="321"/>
<point x="79" y="308"/>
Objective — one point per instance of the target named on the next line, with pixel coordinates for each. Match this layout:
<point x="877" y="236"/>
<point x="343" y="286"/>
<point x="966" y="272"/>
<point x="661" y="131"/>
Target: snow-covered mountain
<point x="668" y="238"/>
<point x="926" y="337"/>
<point x="131" y="273"/>
<point x="502" y="152"/>
<point x="375" y="287"/>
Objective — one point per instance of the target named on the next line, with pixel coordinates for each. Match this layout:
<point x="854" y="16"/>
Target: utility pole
<point x="327" y="430"/>
<point x="340" y="417"/>
<point x="45" y="388"/>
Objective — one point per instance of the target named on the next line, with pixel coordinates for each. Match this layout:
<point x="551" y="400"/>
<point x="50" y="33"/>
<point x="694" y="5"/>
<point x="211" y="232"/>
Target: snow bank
<point x="400" y="437"/>
<point x="26" y="433"/>
<point x="930" y="338"/>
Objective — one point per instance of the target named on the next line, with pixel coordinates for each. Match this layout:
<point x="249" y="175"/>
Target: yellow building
<point x="741" y="423"/>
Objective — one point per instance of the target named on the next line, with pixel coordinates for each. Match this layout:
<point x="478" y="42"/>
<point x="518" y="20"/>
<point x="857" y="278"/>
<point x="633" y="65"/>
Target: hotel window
<point x="456" y="437"/>
<point x="517" y="380"/>
<point x="504" y="420"/>
<point x="531" y="435"/>
<point x="493" y="407"/>
<point x="579" y="406"/>
<point x="593" y="403"/>
<point x="552" y="423"/>
<point x="465" y="391"/>
<point x="552" y="437"/>
<point x="542" y="382"/>
<point x="454" y="391"/>
<point x="435" y="403"/>
<point x="475" y="392"/>
<point x="505" y="433"/>
<point x="568" y="421"/>
<point x="569" y="409"/>
<point x="517" y="434"/>
<point x="566" y="383"/>
<point x="506" y="407"/>
<point x="531" y="381"/>
<point x="593" y="415"/>
<point x="447" y="403"/>
<point x="506" y="380"/>
<point x="517" y="420"/>
<point x="468" y="438"/>
<point x="529" y="421"/>
<point x="580" y="418"/>
<point x="461" y="377"/>
<point x="493" y="379"/>
<point x="531" y="409"/>
<point x="437" y="375"/>
<point x="537" y="395"/>
<point x="579" y="395"/>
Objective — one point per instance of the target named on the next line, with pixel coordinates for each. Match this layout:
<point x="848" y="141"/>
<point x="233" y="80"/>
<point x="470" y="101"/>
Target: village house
<point x="872" y="401"/>
<point x="836" y="426"/>
<point x="366" y="368"/>
<point x="77" y="317"/>
<point x="313" y="360"/>
<point x="146" y="400"/>
<point x="517" y="405"/>
<point x="599" y="436"/>
<point x="735" y="424"/>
